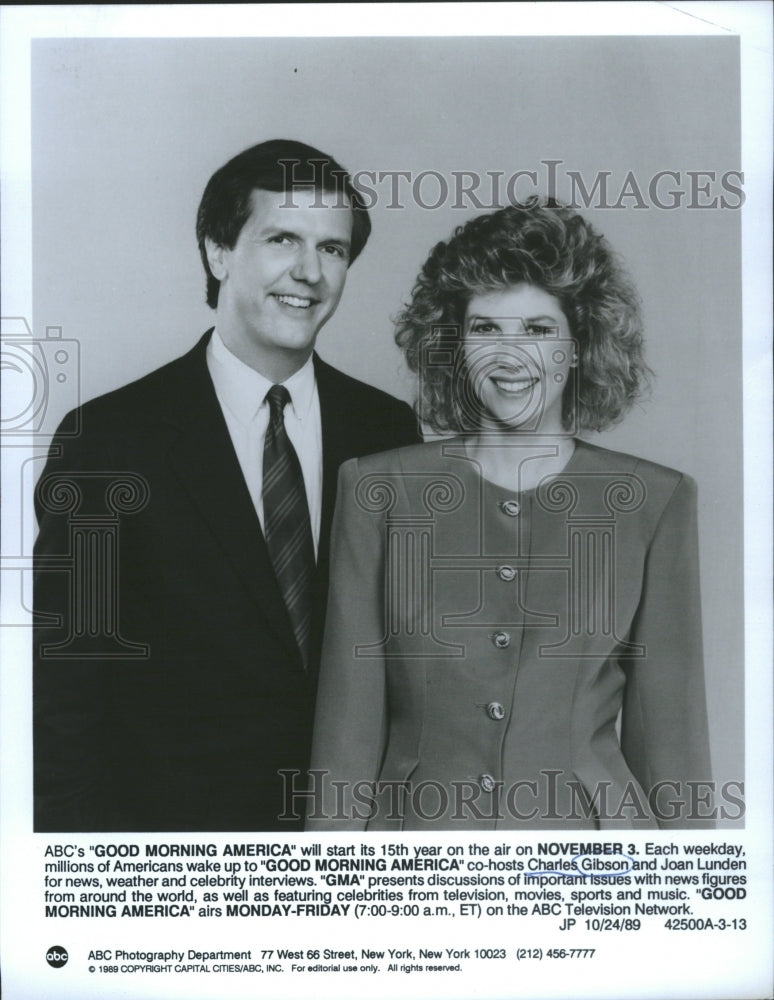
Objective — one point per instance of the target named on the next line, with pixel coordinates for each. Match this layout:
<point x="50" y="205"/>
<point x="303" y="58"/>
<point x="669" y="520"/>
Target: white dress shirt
<point x="241" y="392"/>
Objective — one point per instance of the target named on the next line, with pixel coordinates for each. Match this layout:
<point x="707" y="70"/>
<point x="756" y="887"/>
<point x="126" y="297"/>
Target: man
<point x="182" y="560"/>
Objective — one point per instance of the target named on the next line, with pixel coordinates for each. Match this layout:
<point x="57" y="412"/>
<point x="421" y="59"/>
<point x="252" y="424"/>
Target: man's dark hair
<point x="276" y="165"/>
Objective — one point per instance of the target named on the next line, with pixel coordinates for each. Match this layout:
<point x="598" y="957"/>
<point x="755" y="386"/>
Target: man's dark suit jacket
<point x="190" y="734"/>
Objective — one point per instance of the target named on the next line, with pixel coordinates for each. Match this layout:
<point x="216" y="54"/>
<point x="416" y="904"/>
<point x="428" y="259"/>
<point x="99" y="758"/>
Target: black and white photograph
<point x="386" y="537"/>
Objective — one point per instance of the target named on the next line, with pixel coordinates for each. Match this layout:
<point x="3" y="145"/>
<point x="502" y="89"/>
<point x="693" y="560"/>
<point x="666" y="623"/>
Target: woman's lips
<point x="514" y="385"/>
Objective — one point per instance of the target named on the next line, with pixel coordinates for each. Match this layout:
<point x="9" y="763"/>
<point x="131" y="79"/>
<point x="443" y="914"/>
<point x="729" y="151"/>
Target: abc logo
<point x="57" y="956"/>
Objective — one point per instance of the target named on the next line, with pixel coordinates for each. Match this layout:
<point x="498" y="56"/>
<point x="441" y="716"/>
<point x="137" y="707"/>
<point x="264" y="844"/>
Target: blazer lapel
<point x="336" y="438"/>
<point x="205" y="463"/>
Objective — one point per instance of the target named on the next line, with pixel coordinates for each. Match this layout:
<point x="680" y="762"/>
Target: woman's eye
<point x="540" y="330"/>
<point x="334" y="250"/>
<point x="484" y="328"/>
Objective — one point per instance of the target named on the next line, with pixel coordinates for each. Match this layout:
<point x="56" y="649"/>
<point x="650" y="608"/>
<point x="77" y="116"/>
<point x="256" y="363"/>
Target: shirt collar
<point x="243" y="390"/>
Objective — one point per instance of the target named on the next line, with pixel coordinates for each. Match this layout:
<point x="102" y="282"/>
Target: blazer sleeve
<point x="664" y="733"/>
<point x="350" y="720"/>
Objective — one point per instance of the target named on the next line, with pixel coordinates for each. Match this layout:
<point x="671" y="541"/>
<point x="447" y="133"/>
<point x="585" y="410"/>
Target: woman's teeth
<point x="514" y="385"/>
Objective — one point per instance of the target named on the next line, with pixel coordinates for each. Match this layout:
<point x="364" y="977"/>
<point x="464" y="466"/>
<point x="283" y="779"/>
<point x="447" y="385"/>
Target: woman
<point x="505" y="603"/>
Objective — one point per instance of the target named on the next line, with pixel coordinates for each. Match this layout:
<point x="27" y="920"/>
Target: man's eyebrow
<point x="271" y="229"/>
<point x="276" y="230"/>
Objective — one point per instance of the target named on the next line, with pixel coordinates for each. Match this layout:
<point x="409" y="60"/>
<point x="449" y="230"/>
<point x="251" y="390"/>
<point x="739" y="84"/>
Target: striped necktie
<point x="286" y="520"/>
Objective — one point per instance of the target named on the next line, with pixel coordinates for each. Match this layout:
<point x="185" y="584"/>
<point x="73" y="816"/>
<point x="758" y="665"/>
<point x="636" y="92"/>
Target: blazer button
<point x="495" y="711"/>
<point x="501" y="639"/>
<point x="487" y="782"/>
<point x="510" y="507"/>
<point x="506" y="573"/>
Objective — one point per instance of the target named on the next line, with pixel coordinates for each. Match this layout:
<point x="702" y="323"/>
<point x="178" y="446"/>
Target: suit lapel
<point x="337" y="438"/>
<point x="205" y="463"/>
<point x="336" y="447"/>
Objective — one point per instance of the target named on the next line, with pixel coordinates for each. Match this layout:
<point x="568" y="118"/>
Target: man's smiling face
<point x="282" y="280"/>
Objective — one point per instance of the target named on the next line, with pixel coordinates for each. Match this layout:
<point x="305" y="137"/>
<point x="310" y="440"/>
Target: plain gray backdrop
<point x="126" y="134"/>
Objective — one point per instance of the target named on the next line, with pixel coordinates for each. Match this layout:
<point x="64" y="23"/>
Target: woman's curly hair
<point x="550" y="246"/>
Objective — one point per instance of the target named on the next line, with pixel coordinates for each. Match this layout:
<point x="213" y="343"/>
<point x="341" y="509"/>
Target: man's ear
<point x="216" y="258"/>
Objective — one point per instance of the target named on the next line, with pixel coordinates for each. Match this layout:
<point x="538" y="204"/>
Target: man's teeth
<point x="293" y="300"/>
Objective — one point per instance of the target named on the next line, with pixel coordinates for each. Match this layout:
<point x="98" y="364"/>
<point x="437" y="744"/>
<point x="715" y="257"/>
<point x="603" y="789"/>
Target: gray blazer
<point x="495" y="659"/>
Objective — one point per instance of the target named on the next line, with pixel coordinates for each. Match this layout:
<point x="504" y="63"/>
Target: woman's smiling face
<point x="518" y="356"/>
